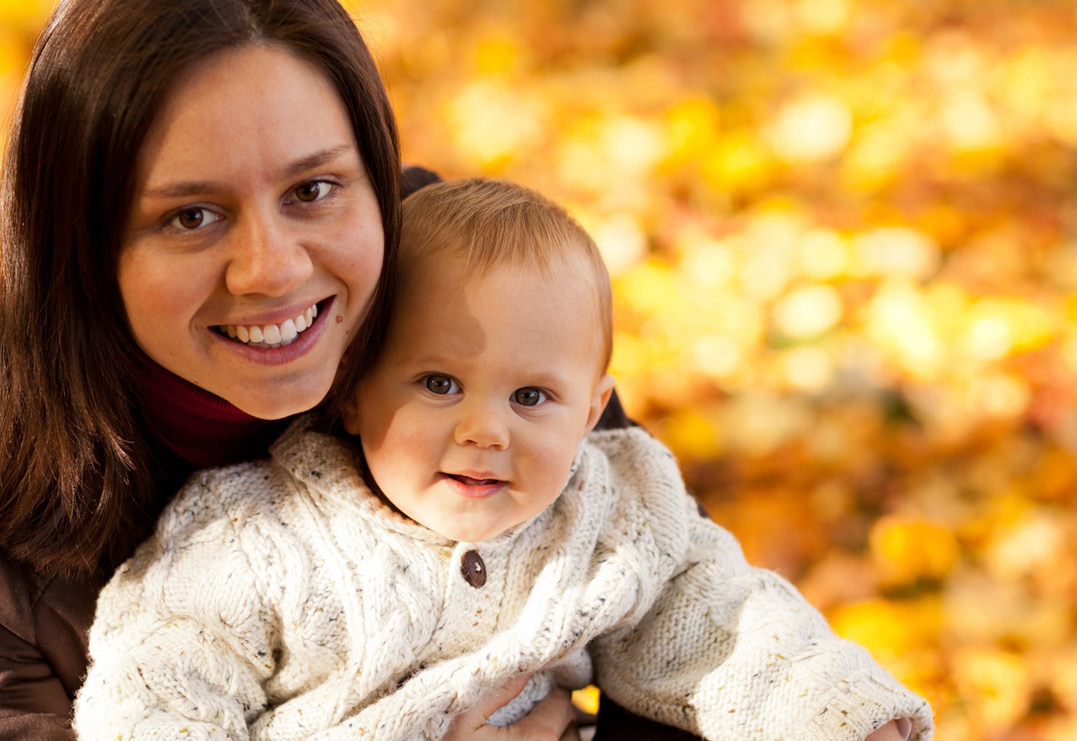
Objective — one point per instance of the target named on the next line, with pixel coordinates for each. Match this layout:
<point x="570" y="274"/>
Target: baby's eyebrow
<point x="546" y="378"/>
<point x="426" y="360"/>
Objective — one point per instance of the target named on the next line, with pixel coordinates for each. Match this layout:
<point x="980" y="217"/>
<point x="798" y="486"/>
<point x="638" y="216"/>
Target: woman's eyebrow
<point x="195" y="187"/>
<point x="318" y="158"/>
<point x="180" y="190"/>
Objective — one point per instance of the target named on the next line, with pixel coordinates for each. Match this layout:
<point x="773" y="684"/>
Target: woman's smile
<point x="276" y="343"/>
<point x="271" y="336"/>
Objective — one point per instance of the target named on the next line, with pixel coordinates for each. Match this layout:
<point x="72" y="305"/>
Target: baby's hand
<point x="895" y="730"/>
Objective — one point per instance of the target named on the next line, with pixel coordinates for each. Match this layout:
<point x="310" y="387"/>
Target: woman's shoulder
<point x="43" y="615"/>
<point x="20" y="588"/>
<point x="26" y="591"/>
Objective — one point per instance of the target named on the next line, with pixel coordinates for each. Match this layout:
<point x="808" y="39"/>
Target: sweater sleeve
<point x="728" y="650"/>
<point x="181" y="645"/>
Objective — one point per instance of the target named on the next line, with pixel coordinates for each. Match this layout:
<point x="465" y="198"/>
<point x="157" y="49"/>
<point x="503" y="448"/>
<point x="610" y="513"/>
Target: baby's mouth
<point x="468" y="481"/>
<point x="269" y="336"/>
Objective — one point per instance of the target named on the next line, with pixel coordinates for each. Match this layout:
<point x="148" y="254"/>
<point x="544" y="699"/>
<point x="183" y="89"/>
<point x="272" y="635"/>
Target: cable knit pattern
<point x="281" y="600"/>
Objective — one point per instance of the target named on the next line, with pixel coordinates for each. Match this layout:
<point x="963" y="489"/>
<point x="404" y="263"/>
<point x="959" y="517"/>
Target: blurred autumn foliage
<point x="843" y="236"/>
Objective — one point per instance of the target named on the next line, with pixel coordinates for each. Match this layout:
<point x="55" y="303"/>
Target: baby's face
<point x="473" y="415"/>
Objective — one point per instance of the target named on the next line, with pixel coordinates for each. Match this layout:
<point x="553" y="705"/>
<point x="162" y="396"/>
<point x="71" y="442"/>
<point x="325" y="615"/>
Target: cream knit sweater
<point x="281" y="600"/>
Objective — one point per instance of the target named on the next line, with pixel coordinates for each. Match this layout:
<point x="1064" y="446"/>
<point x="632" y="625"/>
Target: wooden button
<point x="474" y="569"/>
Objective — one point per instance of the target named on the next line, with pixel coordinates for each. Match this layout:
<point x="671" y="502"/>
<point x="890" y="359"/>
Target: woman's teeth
<point x="271" y="335"/>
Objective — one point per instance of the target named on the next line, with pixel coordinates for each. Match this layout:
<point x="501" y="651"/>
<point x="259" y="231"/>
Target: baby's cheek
<point x="387" y="425"/>
<point x="550" y="465"/>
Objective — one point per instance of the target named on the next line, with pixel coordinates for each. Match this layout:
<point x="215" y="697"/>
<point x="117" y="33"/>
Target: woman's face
<point x="255" y="240"/>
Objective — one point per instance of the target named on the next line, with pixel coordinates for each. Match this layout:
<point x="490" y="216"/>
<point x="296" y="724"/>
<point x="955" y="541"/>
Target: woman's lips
<point x="271" y="336"/>
<point x="280" y="353"/>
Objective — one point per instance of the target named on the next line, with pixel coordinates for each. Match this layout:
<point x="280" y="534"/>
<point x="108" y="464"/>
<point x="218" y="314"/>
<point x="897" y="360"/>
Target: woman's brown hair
<point x="77" y="470"/>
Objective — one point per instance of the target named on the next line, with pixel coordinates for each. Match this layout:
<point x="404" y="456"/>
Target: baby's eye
<point x="441" y="385"/>
<point x="193" y="218"/>
<point x="313" y="190"/>
<point x="528" y="396"/>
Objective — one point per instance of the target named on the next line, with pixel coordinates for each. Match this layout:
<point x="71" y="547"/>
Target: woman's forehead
<point x="257" y="106"/>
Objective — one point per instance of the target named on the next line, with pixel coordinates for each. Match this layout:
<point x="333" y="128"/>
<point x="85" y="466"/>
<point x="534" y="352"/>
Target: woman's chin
<point x="270" y="406"/>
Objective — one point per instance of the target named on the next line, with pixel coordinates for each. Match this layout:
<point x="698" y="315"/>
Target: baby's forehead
<point x="558" y="279"/>
<point x="558" y="269"/>
<point x="553" y="267"/>
<point x="545" y="284"/>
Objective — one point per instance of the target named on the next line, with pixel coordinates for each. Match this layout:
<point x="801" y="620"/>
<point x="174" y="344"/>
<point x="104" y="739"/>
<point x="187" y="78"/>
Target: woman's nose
<point x="267" y="258"/>
<point x="483" y="426"/>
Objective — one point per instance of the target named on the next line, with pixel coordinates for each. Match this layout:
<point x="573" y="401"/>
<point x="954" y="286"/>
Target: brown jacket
<point x="43" y="625"/>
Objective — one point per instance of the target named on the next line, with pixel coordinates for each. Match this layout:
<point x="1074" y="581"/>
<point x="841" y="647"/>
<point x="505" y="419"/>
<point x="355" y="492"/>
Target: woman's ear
<point x="350" y="415"/>
<point x="599" y="399"/>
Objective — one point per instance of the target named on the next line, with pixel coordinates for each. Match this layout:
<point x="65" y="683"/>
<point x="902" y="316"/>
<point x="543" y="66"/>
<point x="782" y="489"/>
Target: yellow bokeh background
<point x="843" y="239"/>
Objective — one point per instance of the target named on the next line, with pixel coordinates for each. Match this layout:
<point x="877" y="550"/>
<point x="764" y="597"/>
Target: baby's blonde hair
<point x="493" y="223"/>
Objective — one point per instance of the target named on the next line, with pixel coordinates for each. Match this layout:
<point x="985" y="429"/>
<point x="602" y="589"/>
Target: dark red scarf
<point x="198" y="426"/>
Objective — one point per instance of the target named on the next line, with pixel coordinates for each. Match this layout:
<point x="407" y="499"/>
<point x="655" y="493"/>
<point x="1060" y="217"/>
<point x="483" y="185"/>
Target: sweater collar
<point x="198" y="426"/>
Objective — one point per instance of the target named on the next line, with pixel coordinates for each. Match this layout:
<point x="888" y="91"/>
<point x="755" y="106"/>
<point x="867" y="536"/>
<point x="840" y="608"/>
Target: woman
<point x="198" y="202"/>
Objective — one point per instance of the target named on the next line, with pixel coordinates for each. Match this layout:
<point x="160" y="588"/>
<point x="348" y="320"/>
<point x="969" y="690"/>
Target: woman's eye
<point x="313" y="190"/>
<point x="193" y="218"/>
<point x="441" y="385"/>
<point x="529" y="396"/>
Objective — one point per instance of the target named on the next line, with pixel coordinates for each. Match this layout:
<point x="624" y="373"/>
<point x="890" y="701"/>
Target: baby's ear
<point x="350" y="415"/>
<point x="599" y="400"/>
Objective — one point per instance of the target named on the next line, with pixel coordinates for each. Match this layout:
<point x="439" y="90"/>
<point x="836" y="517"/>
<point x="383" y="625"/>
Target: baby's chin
<point x="470" y="530"/>
<point x="471" y="522"/>
<point x="468" y="534"/>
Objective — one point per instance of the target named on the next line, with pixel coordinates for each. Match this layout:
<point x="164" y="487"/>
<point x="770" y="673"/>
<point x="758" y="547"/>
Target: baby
<point x="474" y="530"/>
